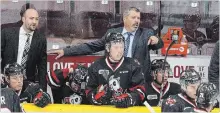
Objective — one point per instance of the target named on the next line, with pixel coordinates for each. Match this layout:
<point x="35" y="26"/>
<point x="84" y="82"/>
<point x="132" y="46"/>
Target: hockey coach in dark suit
<point x="26" y="46"/>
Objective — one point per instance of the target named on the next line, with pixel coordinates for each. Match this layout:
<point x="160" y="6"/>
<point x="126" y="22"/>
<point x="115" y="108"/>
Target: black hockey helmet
<point x="114" y="37"/>
<point x="207" y="94"/>
<point x="189" y="76"/>
<point x="13" y="69"/>
<point x="158" y="64"/>
<point x="78" y="78"/>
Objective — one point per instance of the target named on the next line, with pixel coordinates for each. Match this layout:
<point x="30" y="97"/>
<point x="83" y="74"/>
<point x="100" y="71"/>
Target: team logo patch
<point x="170" y="101"/>
<point x="104" y="73"/>
<point x="152" y="97"/>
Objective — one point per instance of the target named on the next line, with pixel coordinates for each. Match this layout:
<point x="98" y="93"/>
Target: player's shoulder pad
<point x="132" y="61"/>
<point x="96" y="63"/>
<point x="8" y="90"/>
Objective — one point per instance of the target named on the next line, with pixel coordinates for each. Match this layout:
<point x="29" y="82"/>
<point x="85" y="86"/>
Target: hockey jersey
<point x="9" y="101"/>
<point x="153" y="92"/>
<point x="195" y="110"/>
<point x="177" y="103"/>
<point x="127" y="73"/>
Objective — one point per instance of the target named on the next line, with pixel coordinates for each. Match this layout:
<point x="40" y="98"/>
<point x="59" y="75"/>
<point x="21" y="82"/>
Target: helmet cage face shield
<point x="80" y="74"/>
<point x="207" y="95"/>
<point x="78" y="78"/>
<point x="193" y="80"/>
<point x="168" y="71"/>
<point x="189" y="77"/>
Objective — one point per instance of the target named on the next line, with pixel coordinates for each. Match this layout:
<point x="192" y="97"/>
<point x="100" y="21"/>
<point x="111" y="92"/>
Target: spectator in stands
<point x="149" y="20"/>
<point x="191" y="24"/>
<point x="213" y="72"/>
<point x="213" y="31"/>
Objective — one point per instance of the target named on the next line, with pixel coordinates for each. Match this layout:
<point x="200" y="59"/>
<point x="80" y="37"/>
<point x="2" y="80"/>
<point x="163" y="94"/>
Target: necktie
<point x="25" y="54"/>
<point x="127" y="43"/>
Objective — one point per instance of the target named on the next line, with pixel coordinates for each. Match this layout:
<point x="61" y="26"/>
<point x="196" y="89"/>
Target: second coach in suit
<point x="138" y="42"/>
<point x="27" y="47"/>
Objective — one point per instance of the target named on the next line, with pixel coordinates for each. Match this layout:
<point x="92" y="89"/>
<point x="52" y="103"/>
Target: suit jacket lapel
<point x="120" y="29"/>
<point x="16" y="40"/>
<point x="136" y="38"/>
<point x="33" y="44"/>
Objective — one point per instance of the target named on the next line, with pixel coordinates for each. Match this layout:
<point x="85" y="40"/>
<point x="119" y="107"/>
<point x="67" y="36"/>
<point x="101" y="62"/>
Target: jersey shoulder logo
<point x="170" y="101"/>
<point x="104" y="73"/>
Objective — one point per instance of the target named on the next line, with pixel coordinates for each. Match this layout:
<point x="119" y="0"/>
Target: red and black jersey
<point x="177" y="103"/>
<point x="152" y="93"/>
<point x="127" y="72"/>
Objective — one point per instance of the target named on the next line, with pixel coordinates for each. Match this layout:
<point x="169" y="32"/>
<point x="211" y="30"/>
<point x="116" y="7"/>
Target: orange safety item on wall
<point x="181" y="45"/>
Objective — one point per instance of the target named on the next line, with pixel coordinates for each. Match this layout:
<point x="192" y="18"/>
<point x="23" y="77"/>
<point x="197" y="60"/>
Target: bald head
<point x="30" y="12"/>
<point x="30" y="20"/>
<point x="25" y="7"/>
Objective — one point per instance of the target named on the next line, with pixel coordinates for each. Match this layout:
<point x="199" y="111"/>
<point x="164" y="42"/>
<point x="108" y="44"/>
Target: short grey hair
<point x="127" y="11"/>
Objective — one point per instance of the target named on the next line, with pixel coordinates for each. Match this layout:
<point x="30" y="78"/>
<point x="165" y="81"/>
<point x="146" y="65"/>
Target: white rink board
<point x="178" y="63"/>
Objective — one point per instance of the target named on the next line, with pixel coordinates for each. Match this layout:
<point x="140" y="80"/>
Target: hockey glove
<point x="42" y="99"/>
<point x="123" y="101"/>
<point x="32" y="90"/>
<point x="101" y="95"/>
<point x="72" y="99"/>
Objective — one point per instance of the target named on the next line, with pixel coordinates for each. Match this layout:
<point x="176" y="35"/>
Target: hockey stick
<point x="149" y="107"/>
<point x="163" y="71"/>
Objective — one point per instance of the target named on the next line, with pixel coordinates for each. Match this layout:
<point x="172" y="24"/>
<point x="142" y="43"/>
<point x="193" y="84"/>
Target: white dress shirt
<point x="125" y="34"/>
<point x="22" y="40"/>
